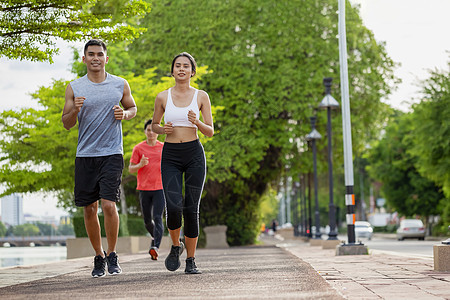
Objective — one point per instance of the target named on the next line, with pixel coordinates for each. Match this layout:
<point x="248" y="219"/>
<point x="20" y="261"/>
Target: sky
<point x="415" y="33"/>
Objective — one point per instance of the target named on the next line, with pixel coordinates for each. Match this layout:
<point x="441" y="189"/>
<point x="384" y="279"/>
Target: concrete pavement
<point x="259" y="272"/>
<point x="375" y="276"/>
<point x="280" y="269"/>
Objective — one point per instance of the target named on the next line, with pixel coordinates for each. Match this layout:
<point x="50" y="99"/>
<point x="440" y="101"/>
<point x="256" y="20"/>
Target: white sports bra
<point x="179" y="115"/>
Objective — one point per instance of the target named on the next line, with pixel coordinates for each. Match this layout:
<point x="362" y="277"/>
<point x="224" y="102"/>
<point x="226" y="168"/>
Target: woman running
<point x="183" y="154"/>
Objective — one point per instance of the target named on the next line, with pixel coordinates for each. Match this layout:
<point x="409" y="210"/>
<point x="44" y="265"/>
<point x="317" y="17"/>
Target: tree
<point x="65" y="229"/>
<point x="37" y="152"/>
<point x="2" y="229"/>
<point x="26" y="230"/>
<point x="269" y="59"/>
<point x="430" y="142"/>
<point x="391" y="163"/>
<point x="29" y="29"/>
<point x="45" y="229"/>
<point x="269" y="205"/>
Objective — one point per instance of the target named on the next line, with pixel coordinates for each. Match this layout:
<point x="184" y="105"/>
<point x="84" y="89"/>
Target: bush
<point x="136" y="226"/>
<point x="441" y="228"/>
<point x="65" y="229"/>
<point x="385" y="229"/>
<point x="80" y="229"/>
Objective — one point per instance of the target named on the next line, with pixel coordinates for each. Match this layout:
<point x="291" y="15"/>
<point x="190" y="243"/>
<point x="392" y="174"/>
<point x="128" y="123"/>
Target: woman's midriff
<point x="182" y="135"/>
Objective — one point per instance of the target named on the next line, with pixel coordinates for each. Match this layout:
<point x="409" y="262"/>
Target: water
<point x="25" y="256"/>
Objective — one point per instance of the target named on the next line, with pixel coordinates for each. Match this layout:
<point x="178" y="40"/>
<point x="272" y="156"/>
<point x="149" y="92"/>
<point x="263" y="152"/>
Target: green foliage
<point x="269" y="59"/>
<point x="441" y="228"/>
<point x="29" y="29"/>
<point x="65" y="229"/>
<point x="123" y="225"/>
<point x="412" y="161"/>
<point x="45" y="229"/>
<point x="136" y="226"/>
<point x="269" y="206"/>
<point x="392" y="164"/>
<point x="80" y="229"/>
<point x="26" y="230"/>
<point x="78" y="226"/>
<point x="39" y="152"/>
<point x="431" y="127"/>
<point x="390" y="228"/>
<point x="2" y="229"/>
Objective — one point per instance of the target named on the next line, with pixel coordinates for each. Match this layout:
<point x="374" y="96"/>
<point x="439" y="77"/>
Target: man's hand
<point x="119" y="113"/>
<point x="144" y="161"/>
<point x="78" y="102"/>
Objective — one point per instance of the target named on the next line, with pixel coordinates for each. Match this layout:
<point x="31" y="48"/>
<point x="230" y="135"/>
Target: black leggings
<point x="152" y="206"/>
<point x="178" y="158"/>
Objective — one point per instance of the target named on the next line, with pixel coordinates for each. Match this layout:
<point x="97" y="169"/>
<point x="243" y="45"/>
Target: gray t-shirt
<point x="99" y="133"/>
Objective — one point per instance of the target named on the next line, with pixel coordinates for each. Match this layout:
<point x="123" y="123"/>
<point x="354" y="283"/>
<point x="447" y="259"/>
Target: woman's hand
<point x="192" y="117"/>
<point x="168" y="128"/>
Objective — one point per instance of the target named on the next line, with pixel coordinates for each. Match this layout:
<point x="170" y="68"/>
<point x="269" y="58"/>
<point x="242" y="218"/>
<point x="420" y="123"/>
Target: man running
<point x="146" y="161"/>
<point x="94" y="100"/>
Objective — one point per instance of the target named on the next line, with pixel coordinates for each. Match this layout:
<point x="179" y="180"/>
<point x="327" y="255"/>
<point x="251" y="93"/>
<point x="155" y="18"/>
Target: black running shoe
<point x="172" y="261"/>
<point x="191" y="268"/>
<point x="113" y="264"/>
<point x="99" y="266"/>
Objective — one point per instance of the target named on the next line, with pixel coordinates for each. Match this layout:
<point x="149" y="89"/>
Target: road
<point x="408" y="247"/>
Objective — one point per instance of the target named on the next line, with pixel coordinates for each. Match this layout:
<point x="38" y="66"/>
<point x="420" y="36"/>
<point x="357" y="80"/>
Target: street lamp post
<point x="313" y="136"/>
<point x="330" y="103"/>
<point x="303" y="201"/>
<point x="296" y="208"/>
<point x="346" y="127"/>
<point x="309" y="207"/>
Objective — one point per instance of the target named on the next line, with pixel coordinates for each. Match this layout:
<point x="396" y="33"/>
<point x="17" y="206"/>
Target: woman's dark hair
<point x="191" y="59"/>
<point x="94" y="42"/>
<point x="149" y="122"/>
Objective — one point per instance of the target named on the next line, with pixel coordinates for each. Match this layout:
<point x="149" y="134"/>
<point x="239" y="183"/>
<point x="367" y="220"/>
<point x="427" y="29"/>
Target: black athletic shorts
<point x="97" y="178"/>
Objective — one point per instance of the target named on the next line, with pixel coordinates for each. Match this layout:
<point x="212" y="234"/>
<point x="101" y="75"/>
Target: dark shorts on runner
<point x="97" y="178"/>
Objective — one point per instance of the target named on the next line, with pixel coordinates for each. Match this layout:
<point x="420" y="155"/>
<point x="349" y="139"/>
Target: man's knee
<point x="109" y="207"/>
<point x="90" y="211"/>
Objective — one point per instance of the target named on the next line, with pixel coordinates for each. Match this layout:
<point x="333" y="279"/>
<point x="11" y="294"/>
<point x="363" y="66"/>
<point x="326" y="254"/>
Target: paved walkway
<point x="375" y="276"/>
<point x="288" y="269"/>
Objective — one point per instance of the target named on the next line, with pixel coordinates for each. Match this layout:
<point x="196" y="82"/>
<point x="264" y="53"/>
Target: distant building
<point x="66" y="220"/>
<point x="52" y="220"/>
<point x="12" y="210"/>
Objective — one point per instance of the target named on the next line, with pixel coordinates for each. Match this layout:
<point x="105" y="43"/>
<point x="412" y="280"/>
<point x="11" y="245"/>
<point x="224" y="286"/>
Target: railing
<point x="39" y="240"/>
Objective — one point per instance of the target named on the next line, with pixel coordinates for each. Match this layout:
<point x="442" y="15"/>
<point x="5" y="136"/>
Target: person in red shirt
<point x="146" y="161"/>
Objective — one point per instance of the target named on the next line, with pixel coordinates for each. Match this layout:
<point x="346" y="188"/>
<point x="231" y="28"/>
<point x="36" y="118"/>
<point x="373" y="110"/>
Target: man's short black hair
<point x="94" y="42"/>
<point x="149" y="122"/>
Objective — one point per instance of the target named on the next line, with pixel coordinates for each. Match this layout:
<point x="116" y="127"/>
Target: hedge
<point x="80" y="229"/>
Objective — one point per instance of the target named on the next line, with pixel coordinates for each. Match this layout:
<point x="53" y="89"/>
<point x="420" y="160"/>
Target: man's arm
<point x="133" y="168"/>
<point x="129" y="106"/>
<point x="71" y="109"/>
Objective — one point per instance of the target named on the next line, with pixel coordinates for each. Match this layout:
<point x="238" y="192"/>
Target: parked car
<point x="411" y="228"/>
<point x="363" y="229"/>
